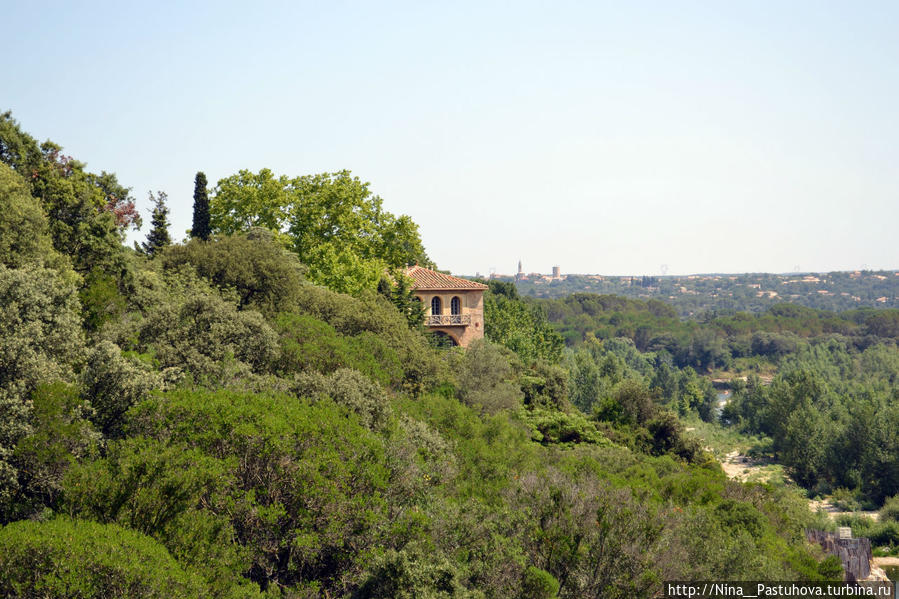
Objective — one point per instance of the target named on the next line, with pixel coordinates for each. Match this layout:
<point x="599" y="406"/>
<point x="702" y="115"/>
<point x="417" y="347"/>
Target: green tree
<point x="87" y="213"/>
<point x="200" y="228"/>
<point x="158" y="238"/>
<point x="519" y="325"/>
<point x="23" y="226"/>
<point x="265" y="276"/>
<point x="40" y="342"/>
<point x="331" y="220"/>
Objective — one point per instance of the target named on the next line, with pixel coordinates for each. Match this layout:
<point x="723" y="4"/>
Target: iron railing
<point x="438" y="320"/>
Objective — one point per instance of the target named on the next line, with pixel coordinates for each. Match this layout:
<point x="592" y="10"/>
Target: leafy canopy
<point x="331" y="220"/>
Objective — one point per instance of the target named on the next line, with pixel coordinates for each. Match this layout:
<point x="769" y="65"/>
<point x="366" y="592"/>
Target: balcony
<point x="448" y="320"/>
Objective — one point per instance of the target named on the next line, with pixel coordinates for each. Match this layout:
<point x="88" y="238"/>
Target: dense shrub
<point x="311" y="345"/>
<point x="312" y="479"/>
<point x="60" y="436"/>
<point x="209" y="338"/>
<point x="65" y="558"/>
<point x="265" y="276"/>
<point x="112" y="384"/>
<point x="173" y="493"/>
<point x="485" y="379"/>
<point x="40" y="342"/>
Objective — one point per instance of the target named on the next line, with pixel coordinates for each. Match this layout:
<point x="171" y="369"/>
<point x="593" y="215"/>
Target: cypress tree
<point x="200" y="228"/>
<point x="158" y="237"/>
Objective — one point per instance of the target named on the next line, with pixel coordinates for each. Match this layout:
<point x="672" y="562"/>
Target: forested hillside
<point x="258" y="412"/>
<point x="692" y="295"/>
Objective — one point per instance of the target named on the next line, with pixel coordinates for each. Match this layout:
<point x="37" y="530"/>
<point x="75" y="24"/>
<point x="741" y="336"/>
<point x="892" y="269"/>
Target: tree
<point x="23" y="226"/>
<point x="200" y="228"/>
<point x="331" y="220"/>
<point x="87" y="214"/>
<point x="158" y="237"/>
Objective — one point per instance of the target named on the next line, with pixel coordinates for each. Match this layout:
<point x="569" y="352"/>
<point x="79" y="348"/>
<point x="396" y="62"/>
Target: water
<point x="892" y="572"/>
<point x="721" y="401"/>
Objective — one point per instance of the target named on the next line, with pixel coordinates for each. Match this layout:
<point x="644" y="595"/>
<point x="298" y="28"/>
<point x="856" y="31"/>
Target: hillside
<point x="751" y="292"/>
<point x="258" y="412"/>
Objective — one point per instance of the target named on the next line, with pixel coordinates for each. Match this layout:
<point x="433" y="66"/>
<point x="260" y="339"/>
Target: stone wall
<point x="855" y="554"/>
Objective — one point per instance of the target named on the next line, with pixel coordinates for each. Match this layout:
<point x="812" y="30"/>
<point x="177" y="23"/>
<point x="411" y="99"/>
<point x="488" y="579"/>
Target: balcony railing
<point x="444" y="320"/>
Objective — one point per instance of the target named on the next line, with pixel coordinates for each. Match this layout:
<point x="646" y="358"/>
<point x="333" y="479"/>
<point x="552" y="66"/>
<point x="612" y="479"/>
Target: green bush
<point x="60" y="435"/>
<point x="311" y="345"/>
<point x="890" y="510"/>
<point x="311" y="479"/>
<point x="205" y="335"/>
<point x="351" y="389"/>
<point x="173" y="493"/>
<point x="538" y="584"/>
<point x="485" y="378"/>
<point x="65" y="558"/>
<point x="112" y="384"/>
<point x="265" y="276"/>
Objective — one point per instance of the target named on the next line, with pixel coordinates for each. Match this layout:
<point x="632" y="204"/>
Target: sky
<point x="619" y="138"/>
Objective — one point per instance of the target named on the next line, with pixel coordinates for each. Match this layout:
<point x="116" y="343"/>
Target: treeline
<point x="717" y="339"/>
<point x="748" y="292"/>
<point x="201" y="420"/>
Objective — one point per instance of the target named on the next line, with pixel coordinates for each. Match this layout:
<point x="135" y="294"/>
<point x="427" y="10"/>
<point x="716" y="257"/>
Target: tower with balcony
<point x="453" y="306"/>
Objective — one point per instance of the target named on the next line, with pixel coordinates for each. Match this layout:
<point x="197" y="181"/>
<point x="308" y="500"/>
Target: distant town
<point x="690" y="294"/>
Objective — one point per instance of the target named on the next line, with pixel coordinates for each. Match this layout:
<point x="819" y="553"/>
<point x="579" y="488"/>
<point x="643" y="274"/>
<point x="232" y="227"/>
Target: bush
<point x="205" y="335"/>
<point x="351" y="389"/>
<point x="890" y="510"/>
<point x="23" y="226"/>
<point x="112" y="384"/>
<point x="374" y="314"/>
<point x="312" y="479"/>
<point x="265" y="276"/>
<point x="175" y="494"/>
<point x="484" y="375"/>
<point x="72" y="558"/>
<point x="538" y="584"/>
<point x="309" y="344"/>
<point x="40" y="342"/>
<point x="60" y="435"/>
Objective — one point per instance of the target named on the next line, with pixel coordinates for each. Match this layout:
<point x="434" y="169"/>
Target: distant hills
<point x="752" y="292"/>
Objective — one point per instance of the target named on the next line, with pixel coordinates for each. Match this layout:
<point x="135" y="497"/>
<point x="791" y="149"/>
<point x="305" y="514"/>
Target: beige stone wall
<point x="472" y="303"/>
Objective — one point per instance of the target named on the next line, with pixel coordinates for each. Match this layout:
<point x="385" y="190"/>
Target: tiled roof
<point x="425" y="278"/>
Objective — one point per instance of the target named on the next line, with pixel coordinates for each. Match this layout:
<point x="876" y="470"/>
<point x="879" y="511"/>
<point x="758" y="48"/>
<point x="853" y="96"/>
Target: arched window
<point x="455" y="306"/>
<point x="436" y="308"/>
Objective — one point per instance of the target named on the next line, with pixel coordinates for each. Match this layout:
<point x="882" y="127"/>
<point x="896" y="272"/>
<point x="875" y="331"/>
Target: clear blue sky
<point x="606" y="137"/>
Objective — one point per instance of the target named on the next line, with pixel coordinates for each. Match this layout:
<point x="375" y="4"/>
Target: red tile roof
<point x="426" y="278"/>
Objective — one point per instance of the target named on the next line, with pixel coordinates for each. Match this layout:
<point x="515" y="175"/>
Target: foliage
<point x="200" y="228"/>
<point x="61" y="435"/>
<point x="519" y="325"/>
<point x="172" y="493"/>
<point x="158" y="238"/>
<point x="485" y="378"/>
<point x="372" y="313"/>
<point x="86" y="213"/>
<point x="40" y="342"/>
<point x="331" y="220"/>
<point x="352" y="389"/>
<point x="313" y="477"/>
<point x="539" y="584"/>
<point x="23" y="227"/>
<point x="265" y="277"/>
<point x="73" y="558"/>
<point x="112" y="384"/>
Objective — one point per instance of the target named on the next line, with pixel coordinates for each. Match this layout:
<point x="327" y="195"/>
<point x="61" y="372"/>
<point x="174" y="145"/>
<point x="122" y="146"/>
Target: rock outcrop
<point x="855" y="554"/>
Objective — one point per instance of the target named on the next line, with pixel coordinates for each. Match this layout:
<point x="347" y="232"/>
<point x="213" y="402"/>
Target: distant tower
<point x="520" y="271"/>
<point x="557" y="272"/>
